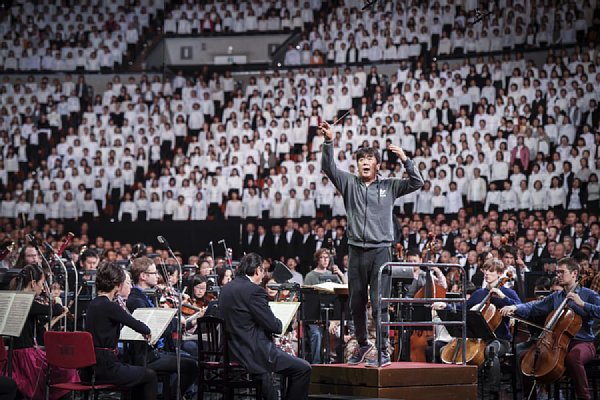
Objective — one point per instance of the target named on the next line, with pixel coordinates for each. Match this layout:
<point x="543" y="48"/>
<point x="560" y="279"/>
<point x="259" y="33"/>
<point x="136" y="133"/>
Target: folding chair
<point x="217" y="372"/>
<point x="74" y="350"/>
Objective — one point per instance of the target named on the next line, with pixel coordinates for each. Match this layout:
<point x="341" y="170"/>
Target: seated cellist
<point x="585" y="303"/>
<point x="503" y="296"/>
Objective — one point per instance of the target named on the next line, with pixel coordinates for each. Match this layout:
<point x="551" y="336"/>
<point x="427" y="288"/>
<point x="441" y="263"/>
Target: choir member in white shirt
<point x="307" y="206"/>
<point x="54" y="207"/>
<point x="539" y="197"/>
<point x="291" y="208"/>
<point x="277" y="207"/>
<point x="88" y="210"/>
<point x="38" y="210"/>
<point x="524" y="196"/>
<point x="155" y="208"/>
<point x="127" y="209"/>
<point x="142" y="206"/>
<point x="169" y="204"/>
<point x="68" y="209"/>
<point x="438" y="201"/>
<point x="234" y="209"/>
<point x="453" y="200"/>
<point x="199" y="208"/>
<point x="424" y="198"/>
<point x="493" y="199"/>
<point x="22" y="208"/>
<point x="557" y="196"/>
<point x="476" y="192"/>
<point x="181" y="211"/>
<point x="251" y="204"/>
<point x="509" y="198"/>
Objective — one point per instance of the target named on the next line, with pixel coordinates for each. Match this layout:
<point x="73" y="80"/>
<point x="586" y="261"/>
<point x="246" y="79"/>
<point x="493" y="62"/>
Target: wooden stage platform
<point x="401" y="380"/>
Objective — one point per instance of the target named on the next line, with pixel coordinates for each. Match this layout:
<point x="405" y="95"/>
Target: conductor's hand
<point x="326" y="130"/>
<point x="398" y="151"/>
<point x="148" y="337"/>
<point x="508" y="311"/>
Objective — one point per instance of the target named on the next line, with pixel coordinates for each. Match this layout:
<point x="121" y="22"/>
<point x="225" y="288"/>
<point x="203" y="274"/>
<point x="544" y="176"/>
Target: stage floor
<point x="400" y="380"/>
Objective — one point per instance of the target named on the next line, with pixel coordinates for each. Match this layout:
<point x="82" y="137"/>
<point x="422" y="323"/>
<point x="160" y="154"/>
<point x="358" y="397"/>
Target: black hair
<point x="248" y="264"/>
<point x="221" y="271"/>
<point x="29" y="273"/>
<point x="88" y="253"/>
<point x="109" y="276"/>
<point x="368" y="151"/>
<point x="196" y="280"/>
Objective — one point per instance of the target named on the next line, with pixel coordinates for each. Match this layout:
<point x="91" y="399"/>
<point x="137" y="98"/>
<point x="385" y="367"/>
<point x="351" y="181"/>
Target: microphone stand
<point x="212" y="249"/>
<point x="64" y="267"/>
<point x="164" y="242"/>
<point x="229" y="262"/>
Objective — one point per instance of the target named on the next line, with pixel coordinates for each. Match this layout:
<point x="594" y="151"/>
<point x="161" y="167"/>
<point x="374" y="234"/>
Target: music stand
<point x="329" y="278"/>
<point x="477" y="327"/>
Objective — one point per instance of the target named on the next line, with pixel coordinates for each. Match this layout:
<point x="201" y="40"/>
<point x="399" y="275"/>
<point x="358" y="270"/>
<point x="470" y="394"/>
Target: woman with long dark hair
<point x="105" y="318"/>
<point x="29" y="360"/>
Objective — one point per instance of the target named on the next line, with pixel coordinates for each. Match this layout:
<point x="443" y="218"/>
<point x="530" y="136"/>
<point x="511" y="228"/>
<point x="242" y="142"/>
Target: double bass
<point x="545" y="362"/>
<point x="452" y="352"/>
<point x="420" y="338"/>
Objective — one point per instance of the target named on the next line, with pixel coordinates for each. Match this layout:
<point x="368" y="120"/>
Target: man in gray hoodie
<point x="369" y="201"/>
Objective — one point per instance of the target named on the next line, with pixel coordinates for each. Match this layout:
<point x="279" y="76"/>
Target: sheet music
<point x="285" y="312"/>
<point x="330" y="287"/>
<point x="14" y="309"/>
<point x="157" y="319"/>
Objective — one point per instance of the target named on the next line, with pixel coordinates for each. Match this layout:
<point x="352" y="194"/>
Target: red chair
<point x="74" y="350"/>
<point x="3" y="352"/>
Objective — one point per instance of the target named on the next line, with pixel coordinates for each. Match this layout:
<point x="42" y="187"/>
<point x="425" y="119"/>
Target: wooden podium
<point x="401" y="380"/>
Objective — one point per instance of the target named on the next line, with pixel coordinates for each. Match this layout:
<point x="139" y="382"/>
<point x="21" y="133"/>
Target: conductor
<point x="250" y="324"/>
<point x="369" y="201"/>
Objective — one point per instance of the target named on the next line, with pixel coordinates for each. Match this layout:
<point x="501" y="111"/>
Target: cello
<point x="545" y="362"/>
<point x="420" y="338"/>
<point x="452" y="352"/>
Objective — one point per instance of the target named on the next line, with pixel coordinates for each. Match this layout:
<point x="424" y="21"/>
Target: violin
<point x="399" y="252"/>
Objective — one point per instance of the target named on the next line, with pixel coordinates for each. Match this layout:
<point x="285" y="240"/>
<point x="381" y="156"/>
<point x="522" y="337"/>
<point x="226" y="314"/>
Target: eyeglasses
<point x="561" y="271"/>
<point x="151" y="272"/>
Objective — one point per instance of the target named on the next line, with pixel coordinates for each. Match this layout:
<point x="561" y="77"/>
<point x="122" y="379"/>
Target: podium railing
<point x="388" y="268"/>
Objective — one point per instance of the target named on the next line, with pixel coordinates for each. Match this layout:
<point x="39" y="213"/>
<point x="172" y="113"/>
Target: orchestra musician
<point x="250" y="324"/>
<point x="105" y="318"/>
<point x="199" y="300"/>
<point x="585" y="303"/>
<point x="501" y="296"/>
<point x="29" y="360"/>
<point x="144" y="275"/>
<point x="369" y="202"/>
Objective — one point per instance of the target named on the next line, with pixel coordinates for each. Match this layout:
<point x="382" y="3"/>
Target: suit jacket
<point x="265" y="249"/>
<point x="252" y="246"/>
<point x="137" y="350"/>
<point x="249" y="324"/>
<point x="451" y="118"/>
<point x="291" y="248"/>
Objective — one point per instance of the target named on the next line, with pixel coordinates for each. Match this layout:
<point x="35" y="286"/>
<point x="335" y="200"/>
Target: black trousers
<point x="294" y="369"/>
<point x="363" y="267"/>
<point x="167" y="362"/>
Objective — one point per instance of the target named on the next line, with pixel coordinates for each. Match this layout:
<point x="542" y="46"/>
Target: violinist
<point x="199" y="292"/>
<point x="144" y="275"/>
<point x="501" y="297"/>
<point x="29" y="360"/>
<point x="105" y="318"/>
<point x="585" y="303"/>
<point x="224" y="276"/>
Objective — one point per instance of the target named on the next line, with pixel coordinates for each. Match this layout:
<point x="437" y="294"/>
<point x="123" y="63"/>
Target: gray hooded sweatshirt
<point x="369" y="208"/>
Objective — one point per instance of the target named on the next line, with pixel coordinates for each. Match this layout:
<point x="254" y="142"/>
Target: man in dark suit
<point x="249" y="239"/>
<point x="250" y="323"/>
<point x="263" y="242"/>
<point x="144" y="275"/>
<point x="291" y="240"/>
<point x="530" y="258"/>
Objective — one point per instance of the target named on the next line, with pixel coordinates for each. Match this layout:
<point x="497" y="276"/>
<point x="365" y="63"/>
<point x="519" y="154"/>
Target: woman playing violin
<point x="585" y="303"/>
<point x="501" y="297"/>
<point x="29" y="360"/>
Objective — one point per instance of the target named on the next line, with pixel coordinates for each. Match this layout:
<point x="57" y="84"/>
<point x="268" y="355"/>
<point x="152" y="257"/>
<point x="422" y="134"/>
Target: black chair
<point x="218" y="374"/>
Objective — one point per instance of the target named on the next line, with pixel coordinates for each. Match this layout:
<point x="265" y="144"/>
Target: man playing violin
<point x="585" y="303"/>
